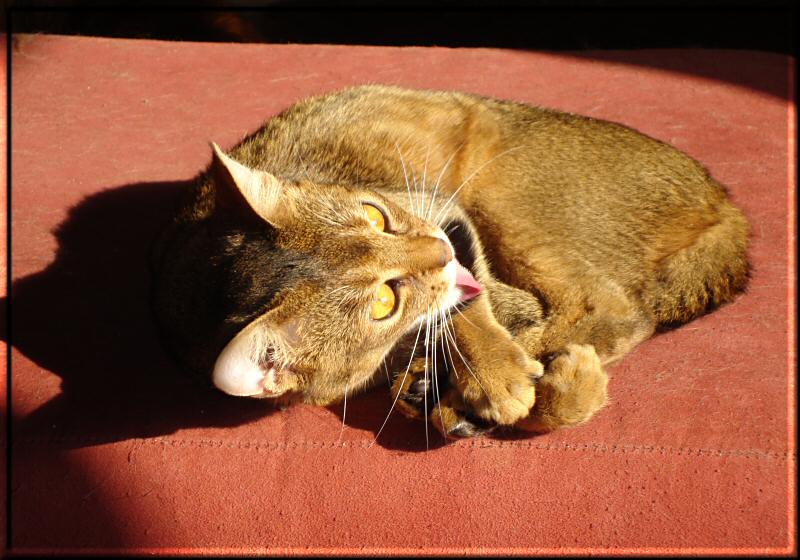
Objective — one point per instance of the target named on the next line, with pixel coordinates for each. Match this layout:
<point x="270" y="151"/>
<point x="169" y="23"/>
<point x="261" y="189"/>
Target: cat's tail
<point x="706" y="273"/>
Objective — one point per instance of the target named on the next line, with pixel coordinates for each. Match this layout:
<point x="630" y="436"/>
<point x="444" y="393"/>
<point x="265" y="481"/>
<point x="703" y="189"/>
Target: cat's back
<point x="424" y="128"/>
<point x="506" y="160"/>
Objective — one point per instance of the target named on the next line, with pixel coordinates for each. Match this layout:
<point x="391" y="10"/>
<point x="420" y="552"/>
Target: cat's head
<point x="306" y="287"/>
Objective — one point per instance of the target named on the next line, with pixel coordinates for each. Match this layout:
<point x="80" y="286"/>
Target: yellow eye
<point x="384" y="303"/>
<point x="375" y="217"/>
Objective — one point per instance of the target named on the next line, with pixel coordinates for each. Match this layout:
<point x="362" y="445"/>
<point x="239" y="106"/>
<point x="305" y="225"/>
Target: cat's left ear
<point x="260" y="190"/>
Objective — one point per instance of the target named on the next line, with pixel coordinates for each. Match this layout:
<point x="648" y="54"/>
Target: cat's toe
<point x="537" y="370"/>
<point x="419" y="389"/>
<point x="416" y="391"/>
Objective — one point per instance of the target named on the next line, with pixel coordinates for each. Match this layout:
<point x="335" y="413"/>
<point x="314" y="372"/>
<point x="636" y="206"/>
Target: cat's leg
<point x="573" y="344"/>
<point x="571" y="391"/>
<point x="478" y="375"/>
<point x="707" y="271"/>
<point x="573" y="387"/>
<point x="587" y="328"/>
<point x="493" y="374"/>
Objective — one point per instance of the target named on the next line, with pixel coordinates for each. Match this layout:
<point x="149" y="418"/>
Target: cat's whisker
<point x="344" y="409"/>
<point x="335" y="290"/>
<point x="451" y="229"/>
<point x="424" y="178"/>
<point x="469" y="369"/>
<point x="445" y="342"/>
<point x="323" y="218"/>
<point x="471" y="175"/>
<point x="350" y="294"/>
<point x="435" y="388"/>
<point x="425" y="375"/>
<point x="465" y="317"/>
<point x="439" y="178"/>
<point x="448" y="327"/>
<point x="386" y="370"/>
<point x="405" y="175"/>
<point x="419" y="199"/>
<point x="402" y="382"/>
<point x="343" y="219"/>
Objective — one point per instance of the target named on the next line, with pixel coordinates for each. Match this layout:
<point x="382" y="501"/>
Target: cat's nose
<point x="445" y="252"/>
<point x="430" y="252"/>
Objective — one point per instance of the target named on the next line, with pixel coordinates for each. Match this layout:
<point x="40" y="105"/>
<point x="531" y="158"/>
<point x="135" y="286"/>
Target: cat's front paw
<point x="500" y="388"/>
<point x="572" y="390"/>
<point x="413" y="389"/>
<point x="418" y="393"/>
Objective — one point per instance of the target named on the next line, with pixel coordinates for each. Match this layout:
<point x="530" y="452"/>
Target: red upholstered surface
<point x="112" y="450"/>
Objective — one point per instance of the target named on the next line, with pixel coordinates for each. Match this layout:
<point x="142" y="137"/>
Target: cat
<point x="492" y="257"/>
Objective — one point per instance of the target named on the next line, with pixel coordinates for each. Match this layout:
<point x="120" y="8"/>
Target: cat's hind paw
<point x="572" y="390"/>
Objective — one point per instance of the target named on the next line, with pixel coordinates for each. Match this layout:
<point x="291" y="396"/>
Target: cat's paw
<point x="572" y="390"/>
<point x="469" y="400"/>
<point x="500" y="388"/>
<point x="412" y="390"/>
<point x="418" y="394"/>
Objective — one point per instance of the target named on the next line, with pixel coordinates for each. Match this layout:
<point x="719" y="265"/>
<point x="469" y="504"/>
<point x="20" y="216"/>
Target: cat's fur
<point x="585" y="235"/>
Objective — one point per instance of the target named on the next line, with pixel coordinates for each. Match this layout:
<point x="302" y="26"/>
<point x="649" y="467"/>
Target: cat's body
<point x="585" y="236"/>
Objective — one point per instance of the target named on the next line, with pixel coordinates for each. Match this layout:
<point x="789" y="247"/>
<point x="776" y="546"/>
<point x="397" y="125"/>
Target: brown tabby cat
<point x="492" y="255"/>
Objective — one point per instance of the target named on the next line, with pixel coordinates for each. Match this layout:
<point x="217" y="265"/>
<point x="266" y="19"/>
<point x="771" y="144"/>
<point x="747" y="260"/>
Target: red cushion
<point x="112" y="450"/>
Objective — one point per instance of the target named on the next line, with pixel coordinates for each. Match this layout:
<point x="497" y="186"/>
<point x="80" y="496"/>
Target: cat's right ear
<point x="257" y="361"/>
<point x="238" y="185"/>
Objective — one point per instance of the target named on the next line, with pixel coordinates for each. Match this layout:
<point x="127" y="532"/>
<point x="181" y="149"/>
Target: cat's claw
<point x="461" y="427"/>
<point x="453" y="421"/>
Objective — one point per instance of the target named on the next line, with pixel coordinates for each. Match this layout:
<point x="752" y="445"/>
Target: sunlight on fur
<point x="484" y="258"/>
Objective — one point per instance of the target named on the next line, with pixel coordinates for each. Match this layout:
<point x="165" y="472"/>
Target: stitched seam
<point x="471" y="444"/>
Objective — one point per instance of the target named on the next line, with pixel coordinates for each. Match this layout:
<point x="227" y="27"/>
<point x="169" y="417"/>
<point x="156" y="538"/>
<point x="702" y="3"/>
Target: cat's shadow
<point x="87" y="318"/>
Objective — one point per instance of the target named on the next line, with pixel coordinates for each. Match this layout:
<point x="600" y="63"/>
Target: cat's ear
<point x="257" y="362"/>
<point x="238" y="184"/>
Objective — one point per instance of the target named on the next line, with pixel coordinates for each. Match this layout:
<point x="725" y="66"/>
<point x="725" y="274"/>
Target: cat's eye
<point x="384" y="303"/>
<point x="375" y="216"/>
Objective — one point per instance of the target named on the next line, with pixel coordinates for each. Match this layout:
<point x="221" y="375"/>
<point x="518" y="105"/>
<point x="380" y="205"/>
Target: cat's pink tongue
<point x="466" y="283"/>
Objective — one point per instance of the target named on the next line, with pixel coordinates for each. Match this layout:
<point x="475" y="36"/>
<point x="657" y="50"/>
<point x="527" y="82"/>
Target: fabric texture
<point x="112" y="449"/>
